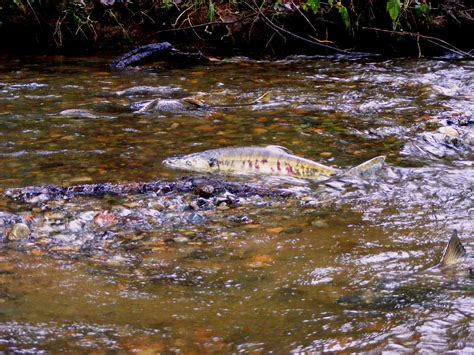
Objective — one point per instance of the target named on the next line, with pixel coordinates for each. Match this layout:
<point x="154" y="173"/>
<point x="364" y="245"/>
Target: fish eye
<point x="188" y="163"/>
<point x="212" y="162"/>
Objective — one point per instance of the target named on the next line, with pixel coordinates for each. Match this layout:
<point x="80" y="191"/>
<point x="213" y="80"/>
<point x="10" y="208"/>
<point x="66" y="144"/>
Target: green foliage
<point x="211" y="11"/>
<point x="394" y="8"/>
<point x="167" y="4"/>
<point x="345" y="16"/>
<point x="314" y="4"/>
<point x="422" y="9"/>
<point x="19" y="4"/>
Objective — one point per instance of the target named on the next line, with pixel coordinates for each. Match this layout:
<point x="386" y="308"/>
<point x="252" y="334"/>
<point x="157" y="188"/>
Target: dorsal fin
<point x="279" y="148"/>
<point x="367" y="168"/>
<point x="454" y="251"/>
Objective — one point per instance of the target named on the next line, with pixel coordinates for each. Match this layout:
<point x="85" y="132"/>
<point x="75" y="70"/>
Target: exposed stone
<point x="19" y="231"/>
<point x="77" y="113"/>
<point x="450" y="131"/>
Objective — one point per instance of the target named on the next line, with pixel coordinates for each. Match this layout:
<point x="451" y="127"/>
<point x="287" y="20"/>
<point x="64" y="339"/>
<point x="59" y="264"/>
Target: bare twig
<point x="320" y="40"/>
<point x="304" y="16"/>
<point x="258" y="10"/>
<point x="418" y="45"/>
<point x="268" y="42"/>
<point x="214" y="23"/>
<point x="193" y="27"/>
<point x="124" y="31"/>
<point x="281" y="29"/>
<point x="181" y="14"/>
<point x="34" y="12"/>
<point x="57" y="35"/>
<point x="146" y="15"/>
<point x="434" y="40"/>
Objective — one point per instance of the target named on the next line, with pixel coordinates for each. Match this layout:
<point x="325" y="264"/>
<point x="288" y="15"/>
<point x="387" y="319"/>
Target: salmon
<point x="269" y="160"/>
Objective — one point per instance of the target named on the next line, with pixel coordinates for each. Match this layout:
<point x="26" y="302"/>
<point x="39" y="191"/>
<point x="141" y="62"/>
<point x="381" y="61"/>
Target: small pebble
<point x="53" y="216"/>
<point x="77" y="113"/>
<point x="181" y="239"/>
<point x="75" y="226"/>
<point x="294" y="230"/>
<point x="131" y="205"/>
<point x="320" y="223"/>
<point x="205" y="190"/>
<point x="450" y="131"/>
<point x="223" y="206"/>
<point x="105" y="219"/>
<point x="19" y="231"/>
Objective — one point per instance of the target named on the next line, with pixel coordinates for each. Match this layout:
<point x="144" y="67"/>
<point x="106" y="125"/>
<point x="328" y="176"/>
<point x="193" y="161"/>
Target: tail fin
<point x="454" y="251"/>
<point x="368" y="168"/>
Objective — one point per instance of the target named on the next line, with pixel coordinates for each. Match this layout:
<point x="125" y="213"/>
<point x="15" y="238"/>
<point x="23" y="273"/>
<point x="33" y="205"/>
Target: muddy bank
<point x="251" y="28"/>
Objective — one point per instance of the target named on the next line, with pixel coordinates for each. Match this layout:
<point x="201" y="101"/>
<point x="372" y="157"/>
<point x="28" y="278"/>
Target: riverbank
<point x="269" y="28"/>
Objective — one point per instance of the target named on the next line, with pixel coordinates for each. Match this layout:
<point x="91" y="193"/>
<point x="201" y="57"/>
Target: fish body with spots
<point x="269" y="160"/>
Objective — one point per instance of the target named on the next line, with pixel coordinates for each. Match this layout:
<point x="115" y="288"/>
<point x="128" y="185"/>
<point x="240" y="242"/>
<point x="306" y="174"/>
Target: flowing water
<point x="172" y="273"/>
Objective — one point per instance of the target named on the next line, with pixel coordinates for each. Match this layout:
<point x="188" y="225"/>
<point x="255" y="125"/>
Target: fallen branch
<point x="213" y="23"/>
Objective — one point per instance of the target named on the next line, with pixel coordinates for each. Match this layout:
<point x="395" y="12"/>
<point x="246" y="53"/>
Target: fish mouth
<point x="169" y="162"/>
<point x="175" y="163"/>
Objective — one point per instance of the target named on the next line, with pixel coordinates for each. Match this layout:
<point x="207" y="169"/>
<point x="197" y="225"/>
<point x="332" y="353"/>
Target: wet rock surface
<point x="453" y="140"/>
<point x="110" y="219"/>
<point x="163" y="51"/>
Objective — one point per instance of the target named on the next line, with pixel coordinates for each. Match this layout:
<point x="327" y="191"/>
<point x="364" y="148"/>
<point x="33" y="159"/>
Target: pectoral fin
<point x="149" y="106"/>
<point x="368" y="168"/>
<point x="454" y="251"/>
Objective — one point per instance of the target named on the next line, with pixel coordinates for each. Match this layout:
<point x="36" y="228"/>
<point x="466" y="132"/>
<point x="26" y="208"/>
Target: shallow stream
<point x="177" y="273"/>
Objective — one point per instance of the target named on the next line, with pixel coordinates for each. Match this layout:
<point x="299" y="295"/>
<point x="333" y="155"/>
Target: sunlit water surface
<point x="262" y="276"/>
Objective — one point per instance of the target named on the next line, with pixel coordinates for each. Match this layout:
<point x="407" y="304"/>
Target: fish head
<point x="195" y="162"/>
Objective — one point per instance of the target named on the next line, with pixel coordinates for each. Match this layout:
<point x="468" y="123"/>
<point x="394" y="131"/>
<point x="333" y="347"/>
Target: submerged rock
<point x="447" y="143"/>
<point x="78" y="113"/>
<point x="105" y="219"/>
<point x="19" y="232"/>
<point x="8" y="219"/>
<point x="181" y="239"/>
<point x="86" y="223"/>
<point x="167" y="105"/>
<point x="227" y="191"/>
<point x="320" y="223"/>
<point x="149" y="90"/>
<point x="76" y="225"/>
<point x="196" y="218"/>
<point x="154" y="52"/>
